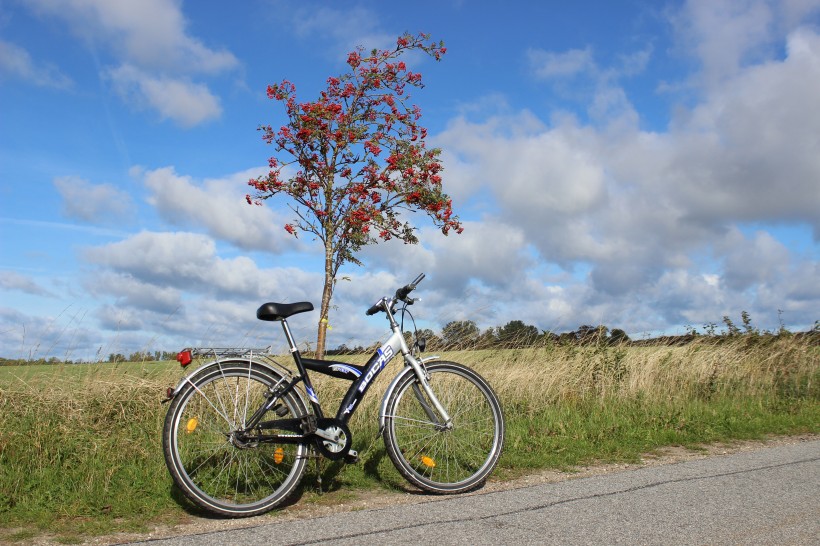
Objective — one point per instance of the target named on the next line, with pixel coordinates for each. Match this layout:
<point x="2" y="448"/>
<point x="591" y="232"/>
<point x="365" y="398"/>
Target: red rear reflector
<point x="184" y="358"/>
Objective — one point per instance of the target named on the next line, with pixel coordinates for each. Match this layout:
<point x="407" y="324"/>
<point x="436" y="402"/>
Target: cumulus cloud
<point x="549" y="64"/>
<point x="30" y="336"/>
<point x="95" y="203"/>
<point x="15" y="62"/>
<point x="150" y="33"/>
<point x="185" y="102"/>
<point x="725" y="34"/>
<point x="219" y="206"/>
<point x="648" y="225"/>
<point x="177" y="285"/>
<point x="16" y="282"/>
<point x="346" y="28"/>
<point x="134" y="293"/>
<point x="154" y="54"/>
<point x="189" y="262"/>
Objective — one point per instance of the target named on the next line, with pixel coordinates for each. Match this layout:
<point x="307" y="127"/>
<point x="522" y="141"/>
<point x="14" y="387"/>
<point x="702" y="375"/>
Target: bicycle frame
<point x="315" y="425"/>
<point x="363" y="377"/>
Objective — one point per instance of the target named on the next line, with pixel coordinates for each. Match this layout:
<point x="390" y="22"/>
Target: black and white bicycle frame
<point x="362" y="377"/>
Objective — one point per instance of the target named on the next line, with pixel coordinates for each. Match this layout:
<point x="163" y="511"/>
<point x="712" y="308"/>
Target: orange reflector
<point x="191" y="426"/>
<point x="278" y="455"/>
<point x="428" y="462"/>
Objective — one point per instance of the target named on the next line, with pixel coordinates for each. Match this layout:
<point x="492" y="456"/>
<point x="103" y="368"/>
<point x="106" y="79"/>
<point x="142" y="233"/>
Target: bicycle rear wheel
<point x="428" y="453"/>
<point x="209" y="463"/>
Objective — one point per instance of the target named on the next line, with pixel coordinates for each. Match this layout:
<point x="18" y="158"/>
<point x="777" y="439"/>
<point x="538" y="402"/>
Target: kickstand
<point x="319" y="473"/>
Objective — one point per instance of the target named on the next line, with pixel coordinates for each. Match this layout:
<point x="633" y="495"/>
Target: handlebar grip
<point x="402" y="292"/>
<point x="375" y="308"/>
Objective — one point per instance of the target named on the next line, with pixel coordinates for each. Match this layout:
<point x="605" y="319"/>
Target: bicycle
<point x="238" y="433"/>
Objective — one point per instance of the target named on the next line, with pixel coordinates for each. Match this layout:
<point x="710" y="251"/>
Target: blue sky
<point x="645" y="165"/>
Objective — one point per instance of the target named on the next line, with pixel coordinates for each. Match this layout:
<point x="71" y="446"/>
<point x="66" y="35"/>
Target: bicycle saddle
<point x="279" y="311"/>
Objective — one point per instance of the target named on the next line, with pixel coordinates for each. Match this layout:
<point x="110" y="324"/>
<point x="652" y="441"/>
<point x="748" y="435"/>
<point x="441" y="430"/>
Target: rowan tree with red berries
<point x="359" y="158"/>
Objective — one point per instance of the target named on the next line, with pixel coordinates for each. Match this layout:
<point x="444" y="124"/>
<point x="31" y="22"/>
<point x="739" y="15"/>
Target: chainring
<point x="331" y="450"/>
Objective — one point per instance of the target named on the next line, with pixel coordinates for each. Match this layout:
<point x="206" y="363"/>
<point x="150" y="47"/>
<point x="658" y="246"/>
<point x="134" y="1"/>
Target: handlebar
<point x="375" y="308"/>
<point x="401" y="294"/>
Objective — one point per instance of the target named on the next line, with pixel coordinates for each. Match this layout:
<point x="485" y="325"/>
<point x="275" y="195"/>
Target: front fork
<point x="421" y="390"/>
<point x="442" y="420"/>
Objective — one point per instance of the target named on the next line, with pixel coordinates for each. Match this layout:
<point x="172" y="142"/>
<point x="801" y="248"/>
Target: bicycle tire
<point x="439" y="460"/>
<point x="213" y="470"/>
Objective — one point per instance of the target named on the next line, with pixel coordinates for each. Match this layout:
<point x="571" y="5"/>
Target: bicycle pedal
<point x="351" y="457"/>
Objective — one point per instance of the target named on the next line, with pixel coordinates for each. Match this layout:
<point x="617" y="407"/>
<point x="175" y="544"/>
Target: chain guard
<point x="327" y="448"/>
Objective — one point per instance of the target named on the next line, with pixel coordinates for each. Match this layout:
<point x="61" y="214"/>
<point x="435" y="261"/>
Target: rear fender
<point x="210" y="367"/>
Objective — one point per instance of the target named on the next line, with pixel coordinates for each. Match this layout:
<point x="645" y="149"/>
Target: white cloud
<point x="13" y="281"/>
<point x="134" y="293"/>
<point x="576" y="76"/>
<point x="95" y="203"/>
<point x="548" y="64"/>
<point x="748" y="151"/>
<point x="178" y="287"/>
<point x="15" y="62"/>
<point x="150" y="33"/>
<point x="65" y="335"/>
<point x="219" y="206"/>
<point x="453" y="261"/>
<point x="748" y="263"/>
<point x="189" y="262"/>
<point x="185" y="102"/>
<point x="647" y="225"/>
<point x="346" y="28"/>
<point x="725" y="34"/>
<point x="154" y="54"/>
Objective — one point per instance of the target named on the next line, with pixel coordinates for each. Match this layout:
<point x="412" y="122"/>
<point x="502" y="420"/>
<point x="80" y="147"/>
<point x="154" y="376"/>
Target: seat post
<point x="303" y="375"/>
<point x="289" y="336"/>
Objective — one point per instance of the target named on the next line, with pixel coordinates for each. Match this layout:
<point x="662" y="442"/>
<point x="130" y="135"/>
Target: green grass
<point x="80" y="449"/>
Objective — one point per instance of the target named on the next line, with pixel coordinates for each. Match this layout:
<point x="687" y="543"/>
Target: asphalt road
<point x="770" y="496"/>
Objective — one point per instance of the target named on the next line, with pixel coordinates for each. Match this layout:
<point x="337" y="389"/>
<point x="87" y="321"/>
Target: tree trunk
<point x="327" y="293"/>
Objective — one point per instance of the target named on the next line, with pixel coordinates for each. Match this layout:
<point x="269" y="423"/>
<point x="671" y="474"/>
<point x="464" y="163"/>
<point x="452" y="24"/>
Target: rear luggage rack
<point x="222" y="352"/>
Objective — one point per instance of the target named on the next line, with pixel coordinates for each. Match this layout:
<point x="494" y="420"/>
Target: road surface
<point x="769" y="496"/>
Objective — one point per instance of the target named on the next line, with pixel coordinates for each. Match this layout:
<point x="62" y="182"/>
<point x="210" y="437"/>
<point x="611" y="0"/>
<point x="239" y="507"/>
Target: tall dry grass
<point x="549" y="374"/>
<point x="80" y="445"/>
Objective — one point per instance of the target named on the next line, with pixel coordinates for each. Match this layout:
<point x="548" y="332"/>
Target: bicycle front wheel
<point x="222" y="471"/>
<point x="439" y="457"/>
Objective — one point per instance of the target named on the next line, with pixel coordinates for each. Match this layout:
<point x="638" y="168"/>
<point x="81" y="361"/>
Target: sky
<point x="651" y="166"/>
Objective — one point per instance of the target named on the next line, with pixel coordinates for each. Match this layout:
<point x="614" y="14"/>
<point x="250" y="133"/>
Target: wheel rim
<point x="220" y="470"/>
<point x="447" y="458"/>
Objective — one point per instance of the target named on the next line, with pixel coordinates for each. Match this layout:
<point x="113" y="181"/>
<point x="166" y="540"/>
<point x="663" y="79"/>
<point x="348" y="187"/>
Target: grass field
<point x="80" y="450"/>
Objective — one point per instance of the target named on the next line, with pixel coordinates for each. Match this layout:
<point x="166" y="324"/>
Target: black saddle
<point x="279" y="311"/>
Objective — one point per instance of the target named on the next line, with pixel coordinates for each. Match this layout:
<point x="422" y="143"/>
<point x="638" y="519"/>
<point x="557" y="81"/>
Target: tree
<point x="517" y="334"/>
<point x="355" y="159"/>
<point x="460" y="334"/>
<point x="618" y="336"/>
<point x="591" y="335"/>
